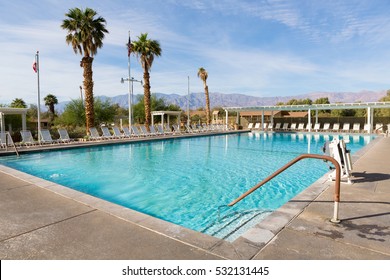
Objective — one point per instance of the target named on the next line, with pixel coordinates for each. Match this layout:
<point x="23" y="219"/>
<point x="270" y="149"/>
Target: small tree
<point x="50" y="101"/>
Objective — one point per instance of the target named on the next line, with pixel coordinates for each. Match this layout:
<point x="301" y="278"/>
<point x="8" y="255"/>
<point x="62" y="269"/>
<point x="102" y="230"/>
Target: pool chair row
<point x="326" y="127"/>
<point x="204" y="128"/>
<point x="134" y="132"/>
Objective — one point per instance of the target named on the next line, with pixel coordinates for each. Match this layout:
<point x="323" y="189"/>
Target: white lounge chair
<point x="160" y="130"/>
<point x="270" y="126"/>
<point x="317" y="127"/>
<point x="336" y="127"/>
<point x="64" y="136"/>
<point x="326" y="127"/>
<point x="356" y="127"/>
<point x="301" y="126"/>
<point x="257" y="126"/>
<point x="250" y="125"/>
<point x="176" y="129"/>
<point x="285" y="126"/>
<point x="366" y="128"/>
<point x="27" y="138"/>
<point x="346" y="127"/>
<point x="46" y="137"/>
<point x="293" y="126"/>
<point x="277" y="126"/>
<point x="308" y="126"/>
<point x="6" y="140"/>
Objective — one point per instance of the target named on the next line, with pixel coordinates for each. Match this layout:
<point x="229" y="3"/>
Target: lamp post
<point x="130" y="99"/>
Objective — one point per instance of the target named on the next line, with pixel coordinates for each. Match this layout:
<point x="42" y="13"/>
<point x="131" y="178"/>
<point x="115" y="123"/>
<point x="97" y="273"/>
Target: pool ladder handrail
<point x="7" y="134"/>
<point x="336" y="196"/>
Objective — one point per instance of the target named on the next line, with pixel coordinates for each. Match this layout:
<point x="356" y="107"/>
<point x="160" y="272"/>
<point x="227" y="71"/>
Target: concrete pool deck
<point x="42" y="220"/>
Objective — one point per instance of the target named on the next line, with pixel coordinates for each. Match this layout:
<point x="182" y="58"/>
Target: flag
<point x="34" y="66"/>
<point x="129" y="47"/>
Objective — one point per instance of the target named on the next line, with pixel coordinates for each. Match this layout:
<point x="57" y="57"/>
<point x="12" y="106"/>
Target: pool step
<point x="228" y="225"/>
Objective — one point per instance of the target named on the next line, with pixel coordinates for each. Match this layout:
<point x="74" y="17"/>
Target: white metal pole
<point x="39" y="97"/>
<point x="129" y="87"/>
<point x="188" y="102"/>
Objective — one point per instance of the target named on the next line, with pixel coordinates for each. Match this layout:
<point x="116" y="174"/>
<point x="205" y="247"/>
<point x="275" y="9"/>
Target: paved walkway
<point x="41" y="220"/>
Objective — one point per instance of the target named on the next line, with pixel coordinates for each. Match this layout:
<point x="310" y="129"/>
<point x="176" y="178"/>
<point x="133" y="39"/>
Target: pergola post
<point x="309" y="119"/>
<point x="227" y="118"/>
<point x="2" y="124"/>
<point x="262" y="119"/>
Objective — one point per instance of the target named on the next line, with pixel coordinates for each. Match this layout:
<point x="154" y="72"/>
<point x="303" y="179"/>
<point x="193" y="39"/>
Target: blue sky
<point x="259" y="48"/>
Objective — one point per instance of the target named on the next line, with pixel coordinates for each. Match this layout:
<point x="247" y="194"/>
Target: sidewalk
<point x="41" y="220"/>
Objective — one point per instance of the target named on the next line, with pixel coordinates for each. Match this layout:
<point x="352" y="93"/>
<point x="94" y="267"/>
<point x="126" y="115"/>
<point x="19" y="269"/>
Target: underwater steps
<point x="228" y="225"/>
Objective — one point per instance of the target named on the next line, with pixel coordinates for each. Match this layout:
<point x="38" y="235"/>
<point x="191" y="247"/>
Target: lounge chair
<point x="46" y="137"/>
<point x="301" y="126"/>
<point x="326" y="127"/>
<point x="257" y="126"/>
<point x="285" y="126"/>
<point x="308" y="127"/>
<point x="27" y="138"/>
<point x="270" y="126"/>
<point x="189" y="128"/>
<point x="346" y="127"/>
<point x="277" y="126"/>
<point x="176" y="129"/>
<point x="356" y="127"/>
<point x="293" y="126"/>
<point x="168" y="129"/>
<point x="317" y="127"/>
<point x="135" y="131"/>
<point x="106" y="133"/>
<point x="336" y="127"/>
<point x="94" y="134"/>
<point x="379" y="128"/>
<point x="250" y="125"/>
<point x="64" y="136"/>
<point x="153" y="131"/>
<point x="160" y="129"/>
<point x="144" y="131"/>
<point x="366" y="128"/>
<point x="126" y="132"/>
<point x="117" y="133"/>
<point x="6" y="140"/>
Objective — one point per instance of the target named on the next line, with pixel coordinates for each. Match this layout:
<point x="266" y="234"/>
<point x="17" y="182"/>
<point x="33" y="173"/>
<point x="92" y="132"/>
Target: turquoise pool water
<point x="185" y="181"/>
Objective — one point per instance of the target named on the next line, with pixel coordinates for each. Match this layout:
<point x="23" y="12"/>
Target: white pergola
<point x="168" y="113"/>
<point x="369" y="106"/>
<point x="12" y="111"/>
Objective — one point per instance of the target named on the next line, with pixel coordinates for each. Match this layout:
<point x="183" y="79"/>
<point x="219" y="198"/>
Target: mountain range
<point x="197" y="100"/>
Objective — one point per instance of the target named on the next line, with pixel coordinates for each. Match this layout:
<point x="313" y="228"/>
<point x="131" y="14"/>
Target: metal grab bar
<point x="336" y="196"/>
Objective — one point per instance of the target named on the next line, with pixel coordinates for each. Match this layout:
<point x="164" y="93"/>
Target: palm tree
<point x="146" y="49"/>
<point x="18" y="103"/>
<point x="203" y="75"/>
<point x="85" y="34"/>
<point x="50" y="101"/>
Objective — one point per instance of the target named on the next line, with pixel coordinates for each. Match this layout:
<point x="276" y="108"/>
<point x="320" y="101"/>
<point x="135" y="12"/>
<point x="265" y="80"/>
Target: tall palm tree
<point x="85" y="33"/>
<point x="50" y="101"/>
<point x="146" y="49"/>
<point x="203" y="75"/>
<point x="18" y="103"/>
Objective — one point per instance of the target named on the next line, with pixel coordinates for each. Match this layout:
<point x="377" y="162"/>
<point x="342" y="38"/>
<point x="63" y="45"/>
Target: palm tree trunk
<point x="86" y="63"/>
<point x="206" y="93"/>
<point x="148" y="116"/>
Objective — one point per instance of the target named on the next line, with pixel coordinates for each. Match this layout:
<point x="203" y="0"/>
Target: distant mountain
<point x="197" y="100"/>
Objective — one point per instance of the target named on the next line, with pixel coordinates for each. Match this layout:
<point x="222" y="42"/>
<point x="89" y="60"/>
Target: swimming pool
<point x="188" y="181"/>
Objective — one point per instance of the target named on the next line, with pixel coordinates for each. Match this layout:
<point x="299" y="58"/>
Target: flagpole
<point x="39" y="97"/>
<point x="129" y="87"/>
